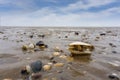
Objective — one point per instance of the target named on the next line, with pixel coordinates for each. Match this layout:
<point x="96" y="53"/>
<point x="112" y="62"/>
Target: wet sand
<point x="104" y="60"/>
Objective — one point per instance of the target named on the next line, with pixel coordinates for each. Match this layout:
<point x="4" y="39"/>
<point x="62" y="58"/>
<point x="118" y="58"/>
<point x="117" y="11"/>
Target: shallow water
<point x="95" y="67"/>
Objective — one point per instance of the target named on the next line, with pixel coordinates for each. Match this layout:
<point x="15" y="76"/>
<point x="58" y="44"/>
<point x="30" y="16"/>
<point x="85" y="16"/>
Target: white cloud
<point x="89" y="3"/>
<point x="49" y="17"/>
<point x="52" y="1"/>
<point x="22" y="4"/>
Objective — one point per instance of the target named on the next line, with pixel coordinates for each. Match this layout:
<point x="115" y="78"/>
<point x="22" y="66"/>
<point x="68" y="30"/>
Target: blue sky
<point x="60" y="12"/>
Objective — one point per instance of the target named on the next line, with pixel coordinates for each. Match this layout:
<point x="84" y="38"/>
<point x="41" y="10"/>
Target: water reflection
<point x="82" y="58"/>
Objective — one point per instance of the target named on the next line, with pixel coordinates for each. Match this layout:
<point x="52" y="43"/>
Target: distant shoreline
<point x="59" y="27"/>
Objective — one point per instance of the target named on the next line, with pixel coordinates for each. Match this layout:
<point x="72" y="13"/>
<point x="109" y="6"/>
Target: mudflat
<point x="104" y="60"/>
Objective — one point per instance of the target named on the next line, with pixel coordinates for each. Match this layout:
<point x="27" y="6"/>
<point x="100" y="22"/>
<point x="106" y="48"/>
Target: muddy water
<point x="103" y="61"/>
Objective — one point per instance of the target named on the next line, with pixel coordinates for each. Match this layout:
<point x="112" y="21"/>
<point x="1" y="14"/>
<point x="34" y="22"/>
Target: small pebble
<point x="50" y="63"/>
<point x="28" y="58"/>
<point x="56" y="53"/>
<point x="54" y="62"/>
<point x="76" y="33"/>
<point x="31" y="36"/>
<point x="114" y="64"/>
<point x="59" y="71"/>
<point x="66" y="36"/>
<point x="46" y="67"/>
<point x="114" y="52"/>
<point x="56" y="49"/>
<point x="51" y="58"/>
<point x="102" y="34"/>
<point x="36" y="76"/>
<point x="24" y="47"/>
<point x="114" y="76"/>
<point x="59" y="64"/>
<point x="112" y="45"/>
<point x="31" y="46"/>
<point x="63" y="56"/>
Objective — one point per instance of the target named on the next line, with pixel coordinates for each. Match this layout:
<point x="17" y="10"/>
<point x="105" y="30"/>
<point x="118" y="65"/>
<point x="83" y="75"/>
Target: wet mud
<point x="103" y="61"/>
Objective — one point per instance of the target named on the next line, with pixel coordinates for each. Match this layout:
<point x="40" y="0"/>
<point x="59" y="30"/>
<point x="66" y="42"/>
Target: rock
<point x="66" y="36"/>
<point x="51" y="58"/>
<point x="59" y="71"/>
<point x="50" y="63"/>
<point x="36" y="76"/>
<point x="56" y="54"/>
<point x="108" y="31"/>
<point x="40" y="43"/>
<point x="112" y="45"/>
<point x="102" y="34"/>
<point x="24" y="71"/>
<point x="21" y="40"/>
<point x="114" y="52"/>
<point x="76" y="33"/>
<point x="46" y="67"/>
<point x="31" y="36"/>
<point x="114" y="64"/>
<point x="24" y="47"/>
<point x="28" y="58"/>
<point x="42" y="35"/>
<point x="36" y="50"/>
<point x="1" y="32"/>
<point x="97" y="37"/>
<point x="114" y="76"/>
<point x="59" y="64"/>
<point x="56" y="49"/>
<point x="63" y="56"/>
<point x="31" y="46"/>
<point x="54" y="62"/>
<point x="36" y="66"/>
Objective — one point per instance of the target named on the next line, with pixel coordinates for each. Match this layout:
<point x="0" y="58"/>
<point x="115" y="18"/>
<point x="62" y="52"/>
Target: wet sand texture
<point x="104" y="60"/>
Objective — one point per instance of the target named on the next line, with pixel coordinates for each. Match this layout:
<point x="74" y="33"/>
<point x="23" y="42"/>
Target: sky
<point x="92" y="13"/>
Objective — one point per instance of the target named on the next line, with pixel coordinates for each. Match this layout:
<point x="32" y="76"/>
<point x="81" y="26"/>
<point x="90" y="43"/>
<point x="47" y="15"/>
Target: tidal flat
<point x="103" y="61"/>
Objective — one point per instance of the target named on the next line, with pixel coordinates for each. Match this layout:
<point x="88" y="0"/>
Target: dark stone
<point x="51" y="58"/>
<point x="112" y="45"/>
<point x="42" y="35"/>
<point x="21" y="40"/>
<point x="24" y="72"/>
<point x="102" y="34"/>
<point x="46" y="46"/>
<point x="113" y="77"/>
<point x="76" y="33"/>
<point x="59" y="37"/>
<point x="40" y="43"/>
<point x="66" y="36"/>
<point x="36" y="66"/>
<point x="31" y="36"/>
<point x="54" y="62"/>
<point x="114" y="52"/>
<point x="61" y="51"/>
<point x="1" y="32"/>
<point x="60" y="71"/>
<point x="36" y="50"/>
